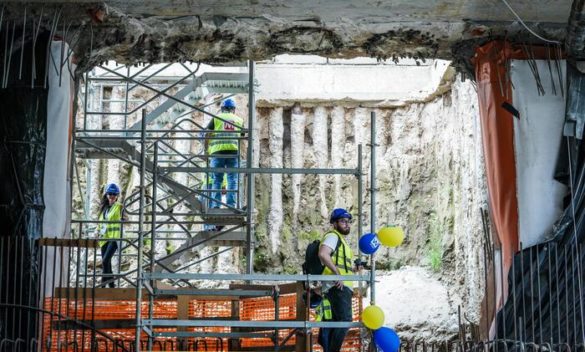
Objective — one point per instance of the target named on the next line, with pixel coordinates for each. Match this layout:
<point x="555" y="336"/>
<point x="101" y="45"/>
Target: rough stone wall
<point x="430" y="181"/>
<point x="429" y="170"/>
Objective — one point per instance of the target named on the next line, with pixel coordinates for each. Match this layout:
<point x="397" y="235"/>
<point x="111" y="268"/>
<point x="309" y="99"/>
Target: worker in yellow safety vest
<point x="223" y="151"/>
<point x="110" y="210"/>
<point x="336" y="255"/>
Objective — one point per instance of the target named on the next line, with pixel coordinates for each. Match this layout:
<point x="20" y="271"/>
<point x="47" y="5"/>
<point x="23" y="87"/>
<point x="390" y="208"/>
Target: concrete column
<point x="337" y="148"/>
<point x="275" y="216"/>
<point x="297" y="135"/>
<point x="321" y="153"/>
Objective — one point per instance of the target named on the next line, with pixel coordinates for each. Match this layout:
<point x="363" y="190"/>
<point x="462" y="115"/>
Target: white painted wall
<point x="381" y="84"/>
<point x="537" y="137"/>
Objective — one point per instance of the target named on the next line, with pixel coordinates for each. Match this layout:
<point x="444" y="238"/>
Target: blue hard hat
<point x="113" y="189"/>
<point x="228" y="104"/>
<point x="339" y="213"/>
<point x="314" y="298"/>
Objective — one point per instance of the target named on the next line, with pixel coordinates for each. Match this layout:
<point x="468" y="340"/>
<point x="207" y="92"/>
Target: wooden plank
<point x="182" y="314"/>
<point x="69" y="242"/>
<point x="285" y="288"/>
<point x="210" y="297"/>
<point x="303" y="342"/>
<point x="234" y="344"/>
<point x="100" y="294"/>
<point x="98" y="324"/>
<point x="264" y="349"/>
<point x="125" y="294"/>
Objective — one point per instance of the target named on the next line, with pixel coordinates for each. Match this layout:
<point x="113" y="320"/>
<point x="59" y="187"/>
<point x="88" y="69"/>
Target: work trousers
<point x="108" y="251"/>
<point x="331" y="339"/>
<point x="232" y="179"/>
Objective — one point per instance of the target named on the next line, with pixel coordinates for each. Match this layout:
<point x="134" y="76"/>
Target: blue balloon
<point x="387" y="339"/>
<point x="369" y="243"/>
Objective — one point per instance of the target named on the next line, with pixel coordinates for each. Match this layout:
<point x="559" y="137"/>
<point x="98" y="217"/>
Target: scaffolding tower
<point x="171" y="204"/>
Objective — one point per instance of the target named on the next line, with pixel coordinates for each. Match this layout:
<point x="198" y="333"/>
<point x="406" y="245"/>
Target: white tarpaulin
<point x="537" y="138"/>
<point x="56" y="183"/>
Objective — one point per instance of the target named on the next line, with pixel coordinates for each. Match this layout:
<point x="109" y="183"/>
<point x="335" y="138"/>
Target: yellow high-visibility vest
<point x="227" y="128"/>
<point x="342" y="258"/>
<point x="113" y="230"/>
<point x="323" y="311"/>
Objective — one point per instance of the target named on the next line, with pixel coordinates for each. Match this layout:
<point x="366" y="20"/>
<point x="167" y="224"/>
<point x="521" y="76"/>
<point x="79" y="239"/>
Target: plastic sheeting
<point x="56" y="190"/>
<point x="22" y="158"/>
<point x="545" y="303"/>
<point x="545" y="282"/>
<point x="493" y="89"/>
<point x="537" y="137"/>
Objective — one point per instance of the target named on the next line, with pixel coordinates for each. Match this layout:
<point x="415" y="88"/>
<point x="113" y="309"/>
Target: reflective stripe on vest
<point x="223" y="129"/>
<point x="342" y="258"/>
<point x="113" y="230"/>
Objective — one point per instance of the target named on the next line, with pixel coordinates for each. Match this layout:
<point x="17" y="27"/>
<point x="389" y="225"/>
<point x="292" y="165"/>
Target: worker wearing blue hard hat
<point x="223" y="151"/>
<point x="110" y="210"/>
<point x="336" y="255"/>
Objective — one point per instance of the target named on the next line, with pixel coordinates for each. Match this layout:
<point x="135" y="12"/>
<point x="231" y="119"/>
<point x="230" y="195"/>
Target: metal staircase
<point x="125" y="145"/>
<point x="122" y="149"/>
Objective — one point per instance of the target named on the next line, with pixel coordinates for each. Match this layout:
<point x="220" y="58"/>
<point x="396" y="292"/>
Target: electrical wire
<point x="572" y="184"/>
<point x="527" y="28"/>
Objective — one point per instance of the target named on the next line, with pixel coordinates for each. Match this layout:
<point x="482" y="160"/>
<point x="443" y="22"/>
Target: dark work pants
<point x="332" y="339"/>
<point x="108" y="251"/>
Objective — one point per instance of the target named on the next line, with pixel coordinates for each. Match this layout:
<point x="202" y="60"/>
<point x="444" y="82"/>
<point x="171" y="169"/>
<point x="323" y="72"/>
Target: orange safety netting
<point x="263" y="308"/>
<point x="61" y="333"/>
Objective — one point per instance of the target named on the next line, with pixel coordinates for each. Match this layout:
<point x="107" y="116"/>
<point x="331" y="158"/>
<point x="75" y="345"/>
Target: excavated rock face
<point x="429" y="179"/>
<point x="153" y="31"/>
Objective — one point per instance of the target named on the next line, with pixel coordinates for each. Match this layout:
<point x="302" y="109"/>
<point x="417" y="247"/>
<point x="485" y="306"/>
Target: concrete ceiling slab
<point x="555" y="11"/>
<point x="219" y="31"/>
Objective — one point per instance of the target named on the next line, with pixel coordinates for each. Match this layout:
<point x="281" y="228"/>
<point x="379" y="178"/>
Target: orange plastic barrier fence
<point x="263" y="308"/>
<point x="60" y="333"/>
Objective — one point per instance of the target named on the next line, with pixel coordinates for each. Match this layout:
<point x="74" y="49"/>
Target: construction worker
<point x="110" y="210"/>
<point x="224" y="152"/>
<point x="337" y="257"/>
<point x="321" y="305"/>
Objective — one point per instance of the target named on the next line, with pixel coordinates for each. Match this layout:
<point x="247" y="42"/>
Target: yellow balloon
<point x="373" y="317"/>
<point x="391" y="236"/>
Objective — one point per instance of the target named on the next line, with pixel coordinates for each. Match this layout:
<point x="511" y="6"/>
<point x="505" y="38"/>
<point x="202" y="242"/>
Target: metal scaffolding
<point x="161" y="201"/>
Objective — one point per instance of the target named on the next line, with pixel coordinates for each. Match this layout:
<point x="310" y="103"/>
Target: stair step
<point x="204" y="239"/>
<point x="220" y="216"/>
